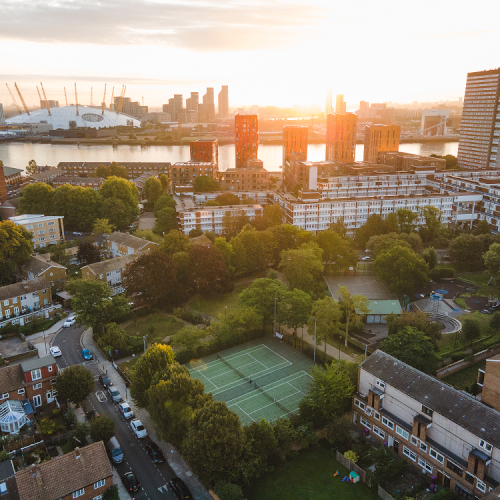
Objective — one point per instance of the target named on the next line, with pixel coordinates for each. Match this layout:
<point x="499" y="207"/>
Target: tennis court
<point x="257" y="382"/>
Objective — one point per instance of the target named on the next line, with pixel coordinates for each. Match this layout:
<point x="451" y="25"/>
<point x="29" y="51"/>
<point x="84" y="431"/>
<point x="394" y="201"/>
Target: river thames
<point x="18" y="154"/>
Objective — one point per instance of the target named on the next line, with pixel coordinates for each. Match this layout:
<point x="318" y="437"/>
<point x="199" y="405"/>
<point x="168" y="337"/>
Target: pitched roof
<point x="35" y="363"/>
<point x="112" y="264"/>
<point x="8" y="171"/>
<point x="38" y="265"/>
<point x="63" y="475"/>
<point x="22" y="288"/>
<point x="129" y="240"/>
<point x="6" y="469"/>
<point x="11" y="378"/>
<point x="78" y="180"/>
<point x="457" y="406"/>
<point x="201" y="240"/>
<point x="51" y="173"/>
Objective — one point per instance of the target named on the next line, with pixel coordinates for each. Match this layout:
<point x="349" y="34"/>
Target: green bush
<point x="447" y="273"/>
<point x="457" y="356"/>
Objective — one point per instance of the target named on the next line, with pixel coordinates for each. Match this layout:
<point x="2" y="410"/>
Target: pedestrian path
<point x="174" y="458"/>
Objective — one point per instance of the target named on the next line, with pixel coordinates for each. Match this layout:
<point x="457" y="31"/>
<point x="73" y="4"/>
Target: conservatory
<point x="12" y="416"/>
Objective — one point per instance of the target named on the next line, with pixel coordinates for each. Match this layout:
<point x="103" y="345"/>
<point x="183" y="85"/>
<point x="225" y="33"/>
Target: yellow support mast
<point x="21" y="97"/>
<point x="76" y="100"/>
<point x="112" y="97"/>
<point x="20" y="111"/>
<point x="122" y="97"/>
<point x="65" y="96"/>
<point x="46" y="101"/>
<point x="104" y="100"/>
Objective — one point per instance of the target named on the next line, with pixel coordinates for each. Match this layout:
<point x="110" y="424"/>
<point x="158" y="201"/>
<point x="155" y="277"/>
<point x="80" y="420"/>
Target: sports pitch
<point x="262" y="379"/>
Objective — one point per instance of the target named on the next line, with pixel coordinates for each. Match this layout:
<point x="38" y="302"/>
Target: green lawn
<point x="156" y="327"/>
<point x="480" y="278"/>
<point x="308" y="477"/>
<point x="466" y="377"/>
<point x="215" y="304"/>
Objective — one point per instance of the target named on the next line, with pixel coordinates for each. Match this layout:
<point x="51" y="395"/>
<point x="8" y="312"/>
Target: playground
<point x="261" y="379"/>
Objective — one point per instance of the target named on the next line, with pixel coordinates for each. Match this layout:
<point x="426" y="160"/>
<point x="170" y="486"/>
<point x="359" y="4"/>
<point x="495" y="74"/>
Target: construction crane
<point x="104" y="100"/>
<point x="112" y="97"/>
<point x="76" y="100"/>
<point x="122" y="97"/>
<point x="45" y="97"/>
<point x="65" y="96"/>
<point x="21" y="97"/>
<point x="91" y="98"/>
<point x="20" y="111"/>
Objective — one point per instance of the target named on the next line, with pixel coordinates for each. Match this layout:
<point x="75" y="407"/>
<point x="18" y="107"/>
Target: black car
<point x="131" y="482"/>
<point x="155" y="453"/>
<point x="104" y="380"/>
<point x="180" y="490"/>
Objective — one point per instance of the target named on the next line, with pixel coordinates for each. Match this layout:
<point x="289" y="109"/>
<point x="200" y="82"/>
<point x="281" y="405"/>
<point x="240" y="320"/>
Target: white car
<point x="55" y="351"/>
<point x="126" y="410"/>
<point x="69" y="322"/>
<point x="366" y="258"/>
<point x="138" y="429"/>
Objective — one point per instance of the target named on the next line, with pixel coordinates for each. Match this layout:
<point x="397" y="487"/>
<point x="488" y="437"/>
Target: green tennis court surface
<point x="257" y="382"/>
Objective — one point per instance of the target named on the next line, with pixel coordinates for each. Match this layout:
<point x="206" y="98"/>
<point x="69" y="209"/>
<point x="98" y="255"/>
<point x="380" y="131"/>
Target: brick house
<point x="52" y="272"/>
<point x="46" y="229"/>
<point x="125" y="244"/>
<point x="84" y="473"/>
<point x="8" y="485"/>
<point x="489" y="380"/>
<point x="33" y="379"/>
<point x="85" y="182"/>
<point x="446" y="433"/>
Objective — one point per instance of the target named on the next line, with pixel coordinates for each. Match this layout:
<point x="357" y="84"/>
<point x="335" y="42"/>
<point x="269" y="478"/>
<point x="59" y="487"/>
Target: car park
<point x="115" y="395"/>
<point x="55" y="351"/>
<point x="154" y="452"/>
<point x="138" y="429"/>
<point x="104" y="380"/>
<point x="126" y="410"/>
<point x="180" y="489"/>
<point x="69" y="322"/>
<point x="86" y="354"/>
<point x="131" y="482"/>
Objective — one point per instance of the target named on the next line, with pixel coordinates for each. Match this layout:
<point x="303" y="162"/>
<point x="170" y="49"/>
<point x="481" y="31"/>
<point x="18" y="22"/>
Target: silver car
<point x="115" y="395"/>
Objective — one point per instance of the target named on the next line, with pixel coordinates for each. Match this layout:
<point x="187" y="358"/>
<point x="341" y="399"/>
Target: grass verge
<point x="156" y="327"/>
<point x="466" y="377"/>
<point x="216" y="304"/>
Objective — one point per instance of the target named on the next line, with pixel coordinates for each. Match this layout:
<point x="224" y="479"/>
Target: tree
<point x="330" y="392"/>
<point x="391" y="223"/>
<point x="451" y="161"/>
<point x="209" y="271"/>
<point x="111" y="493"/>
<point x="419" y="320"/>
<point x="233" y="222"/>
<point x="471" y="330"/>
<point x="165" y="183"/>
<point x="113" y="338"/>
<point x="261" y="295"/>
<point x="387" y="465"/>
<point x="164" y="201"/>
<point x="94" y="303"/>
<point x="205" y="184"/>
<point x="100" y="228"/>
<point x="226" y="250"/>
<point x="260" y="442"/>
<point x="339" y="227"/>
<point x="325" y="316"/>
<point x="157" y="358"/>
<point x="102" y="428"/>
<point x="402" y="269"/>
<point x="412" y="347"/>
<point x="430" y="257"/>
<point x="433" y="224"/>
<point x="354" y="306"/>
<point x="175" y="241"/>
<point x="220" y="331"/>
<point x="245" y="320"/>
<point x="288" y="237"/>
<point x="294" y="309"/>
<point x="88" y="252"/>
<point x="36" y="198"/>
<point x="120" y="204"/>
<point x="151" y="279"/>
<point x="74" y="384"/>
<point x="338" y="432"/>
<point x="118" y="170"/>
<point x="184" y="277"/>
<point x="228" y="491"/>
<point x="273" y="214"/>
<point x="467" y="251"/>
<point x="79" y="206"/>
<point x="336" y="250"/>
<point x="406" y="220"/>
<point x="152" y="190"/>
<point x="482" y="228"/>
<point x="101" y="171"/>
<point x="16" y="247"/>
<point x="373" y="226"/>
<point x="147" y="234"/>
<point x="254" y="249"/>
<point x="491" y="259"/>
<point x="214" y="443"/>
<point x="166" y="220"/>
<point x="303" y="269"/>
<point x="227" y="199"/>
<point x="31" y="168"/>
<point x="384" y="242"/>
<point x="188" y="338"/>
<point x="58" y="253"/>
<point x="495" y="321"/>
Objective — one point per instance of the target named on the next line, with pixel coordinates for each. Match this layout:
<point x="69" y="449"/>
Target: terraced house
<point x="120" y="244"/>
<point x="446" y="433"/>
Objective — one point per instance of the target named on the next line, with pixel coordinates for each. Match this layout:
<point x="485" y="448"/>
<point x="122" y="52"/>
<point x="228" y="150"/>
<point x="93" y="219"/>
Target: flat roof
<point x="29" y="218"/>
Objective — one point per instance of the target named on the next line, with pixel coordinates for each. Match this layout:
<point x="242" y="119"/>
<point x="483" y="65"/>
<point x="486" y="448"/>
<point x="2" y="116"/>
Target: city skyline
<point x="207" y="44"/>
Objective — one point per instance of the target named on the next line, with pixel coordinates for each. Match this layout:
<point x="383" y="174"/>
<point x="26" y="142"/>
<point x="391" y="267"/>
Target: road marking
<point x="161" y="487"/>
<point x="101" y="397"/>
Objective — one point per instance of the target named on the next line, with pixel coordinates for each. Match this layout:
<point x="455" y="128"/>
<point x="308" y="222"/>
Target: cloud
<point x="190" y="24"/>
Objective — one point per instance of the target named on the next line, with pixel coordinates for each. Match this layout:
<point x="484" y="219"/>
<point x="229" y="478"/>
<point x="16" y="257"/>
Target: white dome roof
<point x="87" y="117"/>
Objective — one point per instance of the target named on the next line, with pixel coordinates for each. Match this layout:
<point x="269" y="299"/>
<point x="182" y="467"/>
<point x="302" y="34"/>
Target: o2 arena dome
<point x="66" y="118"/>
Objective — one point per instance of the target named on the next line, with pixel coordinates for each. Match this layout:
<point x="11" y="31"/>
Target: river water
<point x="18" y="154"/>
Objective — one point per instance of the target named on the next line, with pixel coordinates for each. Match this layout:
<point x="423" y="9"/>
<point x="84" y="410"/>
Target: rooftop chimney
<point x="34" y="469"/>
<point x="77" y="453"/>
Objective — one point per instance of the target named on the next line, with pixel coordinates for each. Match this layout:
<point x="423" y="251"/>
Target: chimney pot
<point x="77" y="452"/>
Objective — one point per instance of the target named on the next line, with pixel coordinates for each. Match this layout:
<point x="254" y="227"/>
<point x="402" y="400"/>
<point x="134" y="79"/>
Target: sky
<point x="269" y="52"/>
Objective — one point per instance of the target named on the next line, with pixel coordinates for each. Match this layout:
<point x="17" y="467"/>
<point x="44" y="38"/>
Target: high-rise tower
<point x="246" y="135"/>
<point x="380" y="138"/>
<point x="341" y="137"/>
<point x="329" y="103"/>
<point x="223" y="107"/>
<point x="209" y="105"/>
<point x="294" y="140"/>
<point x="340" y="105"/>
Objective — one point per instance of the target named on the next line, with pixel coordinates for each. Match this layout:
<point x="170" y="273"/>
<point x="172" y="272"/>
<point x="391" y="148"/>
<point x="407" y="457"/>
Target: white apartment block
<point x="46" y="229"/>
<point x="258" y="196"/>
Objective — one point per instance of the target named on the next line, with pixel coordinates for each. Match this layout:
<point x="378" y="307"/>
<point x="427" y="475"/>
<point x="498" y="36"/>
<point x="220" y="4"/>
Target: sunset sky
<point x="269" y="52"/>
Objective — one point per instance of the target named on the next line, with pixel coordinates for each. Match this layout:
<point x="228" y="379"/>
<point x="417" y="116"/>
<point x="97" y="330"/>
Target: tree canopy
<point x="337" y="251"/>
<point x="205" y="184"/>
<point x="75" y="383"/>
<point x="36" y="198"/>
<point x="88" y="252"/>
<point x="16" y="247"/>
<point x="120" y="201"/>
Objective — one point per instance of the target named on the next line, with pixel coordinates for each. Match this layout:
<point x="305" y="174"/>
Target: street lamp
<point x="315" y="340"/>
<point x="144" y="339"/>
<point x="274" y="333"/>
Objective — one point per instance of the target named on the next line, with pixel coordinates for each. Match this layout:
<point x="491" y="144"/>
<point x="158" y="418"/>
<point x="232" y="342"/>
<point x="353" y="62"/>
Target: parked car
<point x="155" y="453"/>
<point x="55" y="351"/>
<point x="104" y="380"/>
<point x="115" y="450"/>
<point x="69" y="322"/>
<point x="126" y="410"/>
<point x="138" y="429"/>
<point x="115" y="395"/>
<point x="366" y="257"/>
<point x="86" y="354"/>
<point x="131" y="482"/>
<point x="179" y="488"/>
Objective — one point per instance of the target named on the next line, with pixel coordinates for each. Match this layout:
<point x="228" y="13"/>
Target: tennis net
<point x="274" y="400"/>
<point x="241" y="374"/>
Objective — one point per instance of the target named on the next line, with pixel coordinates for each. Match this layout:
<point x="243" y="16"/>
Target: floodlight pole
<point x="315" y="340"/>
<point x="274" y="333"/>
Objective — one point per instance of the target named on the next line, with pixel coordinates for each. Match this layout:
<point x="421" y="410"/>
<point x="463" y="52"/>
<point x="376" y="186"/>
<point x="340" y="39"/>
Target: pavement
<point x="43" y="340"/>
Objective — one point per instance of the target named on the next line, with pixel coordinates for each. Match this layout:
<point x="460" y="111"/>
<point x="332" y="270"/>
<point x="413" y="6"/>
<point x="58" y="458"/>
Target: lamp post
<point x="225" y="312"/>
<point x="315" y="340"/>
<point x="144" y="339"/>
<point x="274" y="333"/>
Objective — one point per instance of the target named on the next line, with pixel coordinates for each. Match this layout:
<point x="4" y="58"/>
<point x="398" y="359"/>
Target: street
<point x="153" y="477"/>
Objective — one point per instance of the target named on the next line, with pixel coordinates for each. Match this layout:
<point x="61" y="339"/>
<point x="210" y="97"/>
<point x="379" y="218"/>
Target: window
<point x="469" y="478"/>
<point x="486" y="446"/>
<point x="99" y="484"/>
<point x="369" y="410"/>
<point x="376" y="414"/>
<point x="3" y="488"/>
<point x="36" y="387"/>
<point x="401" y="432"/>
<point x="453" y="467"/>
<point x="463" y="492"/>
<point x="414" y="440"/>
<point x="437" y="456"/>
<point x="359" y="404"/>
<point x="36" y="374"/>
<point x="21" y="391"/>
<point x="50" y="368"/>
<point x="37" y="400"/>
<point x="380" y="383"/>
<point x="481" y="486"/>
<point x="78" y="493"/>
<point x="6" y="302"/>
<point x="98" y="497"/>
<point x="365" y="422"/>
<point x="423" y="446"/>
<point x="409" y="454"/>
<point x="427" y="411"/>
<point x="388" y="423"/>
<point x="5" y="395"/>
<point x="425" y="465"/>
<point x="380" y="433"/>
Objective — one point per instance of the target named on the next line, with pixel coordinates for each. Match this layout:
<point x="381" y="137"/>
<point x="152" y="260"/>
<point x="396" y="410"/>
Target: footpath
<point x="174" y="458"/>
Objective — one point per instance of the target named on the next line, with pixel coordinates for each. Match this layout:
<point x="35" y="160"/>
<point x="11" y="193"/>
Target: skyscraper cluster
<point x="196" y="111"/>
